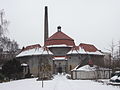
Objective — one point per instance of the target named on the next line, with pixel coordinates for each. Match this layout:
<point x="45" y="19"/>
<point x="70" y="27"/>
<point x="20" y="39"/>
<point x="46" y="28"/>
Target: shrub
<point x="12" y="69"/>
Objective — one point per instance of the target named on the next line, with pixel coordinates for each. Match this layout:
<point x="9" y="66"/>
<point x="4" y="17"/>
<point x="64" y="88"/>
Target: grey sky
<point x="86" y="21"/>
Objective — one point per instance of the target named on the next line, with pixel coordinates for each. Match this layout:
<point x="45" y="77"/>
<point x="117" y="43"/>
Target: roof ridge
<point x="56" y="36"/>
<point x="31" y="47"/>
<point x="88" y="47"/>
<point x="59" y="38"/>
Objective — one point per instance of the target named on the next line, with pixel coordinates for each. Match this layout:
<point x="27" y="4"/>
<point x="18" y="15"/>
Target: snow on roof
<point x="45" y="52"/>
<point x="81" y="50"/>
<point x="60" y="45"/>
<point x="31" y="47"/>
<point x="60" y="58"/>
<point x="88" y="68"/>
<point x="34" y="51"/>
<point x="29" y="52"/>
<point x="95" y="53"/>
<point x="73" y="52"/>
<point x="84" y="68"/>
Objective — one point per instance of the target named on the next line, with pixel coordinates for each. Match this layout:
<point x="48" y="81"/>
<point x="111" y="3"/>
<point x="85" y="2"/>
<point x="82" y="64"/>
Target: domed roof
<point x="60" y="38"/>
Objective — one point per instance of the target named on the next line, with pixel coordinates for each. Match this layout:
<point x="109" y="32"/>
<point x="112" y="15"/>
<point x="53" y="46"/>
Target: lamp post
<point x="42" y="64"/>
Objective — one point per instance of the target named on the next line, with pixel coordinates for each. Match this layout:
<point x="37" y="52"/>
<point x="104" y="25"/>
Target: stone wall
<point x="34" y="63"/>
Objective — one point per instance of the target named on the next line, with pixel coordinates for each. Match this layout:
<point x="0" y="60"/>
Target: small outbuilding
<point x="88" y="73"/>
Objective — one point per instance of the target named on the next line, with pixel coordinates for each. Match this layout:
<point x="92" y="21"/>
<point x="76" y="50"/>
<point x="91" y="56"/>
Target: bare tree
<point x="6" y="45"/>
<point x="3" y="23"/>
<point x="111" y="55"/>
<point x="117" y="56"/>
<point x="118" y="50"/>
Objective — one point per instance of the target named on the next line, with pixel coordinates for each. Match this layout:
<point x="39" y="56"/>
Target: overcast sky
<point x="86" y="21"/>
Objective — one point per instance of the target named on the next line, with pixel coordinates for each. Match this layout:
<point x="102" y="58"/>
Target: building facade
<point x="59" y="53"/>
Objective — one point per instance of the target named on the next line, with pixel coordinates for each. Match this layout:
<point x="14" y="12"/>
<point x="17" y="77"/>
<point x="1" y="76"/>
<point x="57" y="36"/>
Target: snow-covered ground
<point x="58" y="83"/>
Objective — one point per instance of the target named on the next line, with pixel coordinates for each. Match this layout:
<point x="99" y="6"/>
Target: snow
<point x="61" y="45"/>
<point x="45" y="52"/>
<point x="85" y="68"/>
<point x="58" y="83"/>
<point x="114" y="78"/>
<point x="118" y="78"/>
<point x="72" y="52"/>
<point x="34" y="51"/>
<point x="95" y="53"/>
<point x="117" y="71"/>
<point x="88" y="68"/>
<point x="82" y="51"/>
<point x="24" y="64"/>
<point x="59" y="58"/>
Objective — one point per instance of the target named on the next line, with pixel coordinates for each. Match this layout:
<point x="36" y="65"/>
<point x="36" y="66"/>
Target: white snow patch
<point x="61" y="45"/>
<point x="59" y="58"/>
<point x="114" y="78"/>
<point x="58" y="83"/>
<point x="24" y="64"/>
<point x="85" y="68"/>
<point x="82" y="51"/>
<point x="118" y="78"/>
<point x="73" y="52"/>
<point x="34" y="51"/>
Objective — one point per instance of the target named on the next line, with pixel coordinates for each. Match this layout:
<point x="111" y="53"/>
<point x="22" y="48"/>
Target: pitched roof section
<point x="34" y="50"/>
<point x="59" y="38"/>
<point x="88" y="47"/>
<point x="59" y="35"/>
<point x="31" y="47"/>
<point x="85" y="49"/>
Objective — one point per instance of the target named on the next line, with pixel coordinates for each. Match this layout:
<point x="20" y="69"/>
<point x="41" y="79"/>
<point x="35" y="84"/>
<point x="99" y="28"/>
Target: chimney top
<point x="45" y="6"/>
<point x="59" y="28"/>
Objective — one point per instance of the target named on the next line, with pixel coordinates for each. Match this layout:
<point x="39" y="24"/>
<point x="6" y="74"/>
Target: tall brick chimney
<point x="46" y="24"/>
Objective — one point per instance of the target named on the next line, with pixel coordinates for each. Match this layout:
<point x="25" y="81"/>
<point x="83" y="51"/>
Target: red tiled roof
<point x="59" y="35"/>
<point x="88" y="47"/>
<point x="59" y="38"/>
<point x="31" y="47"/>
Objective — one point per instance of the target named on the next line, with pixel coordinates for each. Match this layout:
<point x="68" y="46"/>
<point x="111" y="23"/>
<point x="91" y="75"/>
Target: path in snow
<point x="58" y="83"/>
<point x="62" y="83"/>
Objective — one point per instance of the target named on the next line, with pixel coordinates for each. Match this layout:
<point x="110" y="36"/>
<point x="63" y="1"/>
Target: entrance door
<point x="60" y="70"/>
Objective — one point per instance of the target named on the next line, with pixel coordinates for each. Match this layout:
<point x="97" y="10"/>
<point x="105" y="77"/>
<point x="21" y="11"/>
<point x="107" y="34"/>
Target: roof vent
<point x="59" y="28"/>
